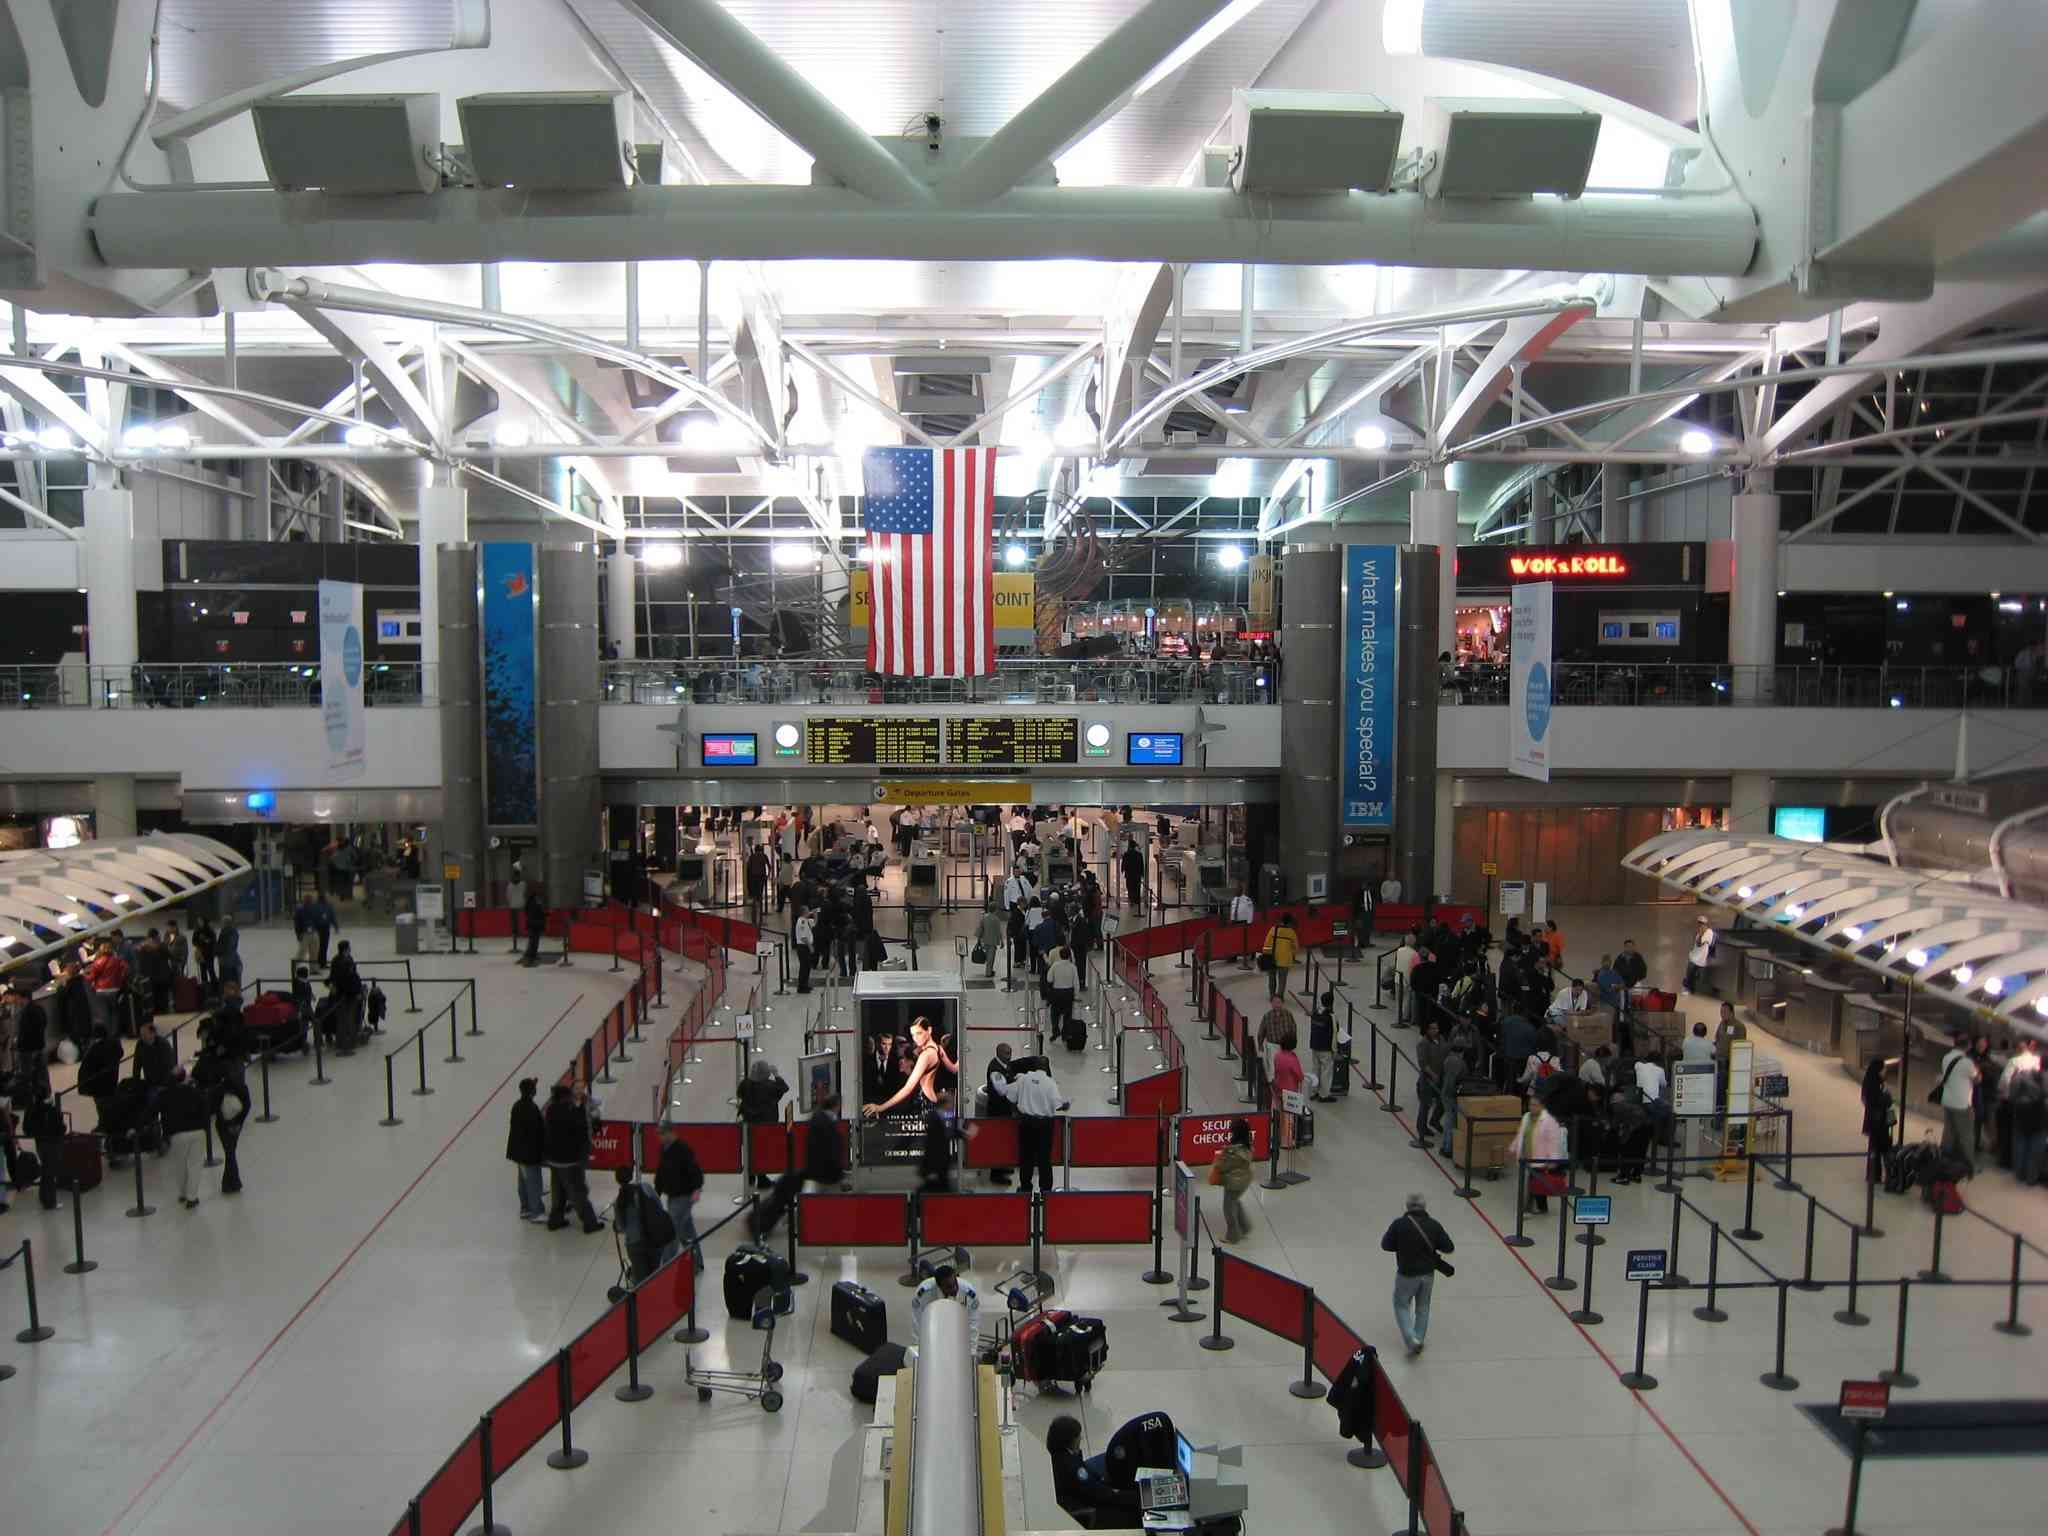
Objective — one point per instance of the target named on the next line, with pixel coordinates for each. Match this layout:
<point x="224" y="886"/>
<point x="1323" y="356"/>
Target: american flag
<point x="931" y="561"/>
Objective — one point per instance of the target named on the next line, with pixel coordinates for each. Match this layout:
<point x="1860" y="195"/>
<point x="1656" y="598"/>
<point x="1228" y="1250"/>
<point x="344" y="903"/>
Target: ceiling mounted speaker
<point x="1509" y="147"/>
<point x="1306" y="142"/>
<point x="358" y="145"/>
<point x="547" y="141"/>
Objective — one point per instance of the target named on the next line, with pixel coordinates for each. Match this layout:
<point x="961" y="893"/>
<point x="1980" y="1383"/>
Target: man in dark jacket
<point x="99" y="1073"/>
<point x="996" y="1106"/>
<point x="43" y="1123"/>
<point x="219" y="1075"/>
<point x="526" y="1148"/>
<point x="757" y="881"/>
<point x="183" y="1111"/>
<point x="679" y="1180"/>
<point x="759" y="1098"/>
<point x="567" y="1147"/>
<point x="536" y="924"/>
<point x="1415" y="1239"/>
<point x="31" y="1030"/>
<point x="156" y="1059"/>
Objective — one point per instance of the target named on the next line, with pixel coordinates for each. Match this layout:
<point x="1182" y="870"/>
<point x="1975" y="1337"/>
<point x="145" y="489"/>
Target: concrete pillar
<point x="1445" y="812"/>
<point x="1613" y="510"/>
<point x="1433" y="520"/>
<point x="1542" y="513"/>
<point x="459" y="837"/>
<point x="621" y="611"/>
<point x="1749" y="803"/>
<point x="106" y="567"/>
<point x="444" y="520"/>
<point x="1639" y="522"/>
<point x="1310" y="715"/>
<point x="570" y="803"/>
<point x="113" y="805"/>
<point x="1753" y="594"/>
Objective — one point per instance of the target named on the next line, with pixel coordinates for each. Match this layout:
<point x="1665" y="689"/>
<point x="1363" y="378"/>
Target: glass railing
<point x="243" y="685"/>
<point x="1708" y="684"/>
<point x="1023" y="681"/>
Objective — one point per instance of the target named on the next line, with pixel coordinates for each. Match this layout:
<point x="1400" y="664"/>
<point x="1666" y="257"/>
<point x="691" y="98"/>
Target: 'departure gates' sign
<point x="1371" y="630"/>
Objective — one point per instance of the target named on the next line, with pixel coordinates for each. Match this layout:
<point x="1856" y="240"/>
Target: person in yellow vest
<point x="1280" y="946"/>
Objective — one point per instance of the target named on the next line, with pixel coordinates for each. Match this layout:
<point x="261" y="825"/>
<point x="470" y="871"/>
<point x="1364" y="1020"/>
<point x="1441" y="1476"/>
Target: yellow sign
<point x="451" y="871"/>
<point x="1489" y="869"/>
<point x="952" y="792"/>
<point x="1016" y="593"/>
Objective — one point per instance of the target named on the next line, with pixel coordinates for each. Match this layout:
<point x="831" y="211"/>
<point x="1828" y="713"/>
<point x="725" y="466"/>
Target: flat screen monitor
<point x="1184" y="1454"/>
<point x="690" y="868"/>
<point x="1145" y="749"/>
<point x="1800" y="823"/>
<point x="732" y="749"/>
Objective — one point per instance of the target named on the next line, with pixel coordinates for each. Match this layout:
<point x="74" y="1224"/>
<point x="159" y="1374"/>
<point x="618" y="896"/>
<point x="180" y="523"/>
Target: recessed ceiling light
<point x="1696" y="442"/>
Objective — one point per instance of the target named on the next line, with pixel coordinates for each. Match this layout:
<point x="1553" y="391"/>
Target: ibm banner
<point x="341" y="678"/>
<point x="1529" y="674"/>
<point x="1371" y="633"/>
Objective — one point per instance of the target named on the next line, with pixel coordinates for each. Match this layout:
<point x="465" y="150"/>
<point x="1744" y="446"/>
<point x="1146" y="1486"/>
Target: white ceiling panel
<point x="211" y="47"/>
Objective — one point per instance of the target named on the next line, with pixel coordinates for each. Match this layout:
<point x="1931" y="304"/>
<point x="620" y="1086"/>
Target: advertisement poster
<point x="1529" y="674"/>
<point x="1371" y="628"/>
<point x="511" y="740"/>
<point x="341" y="678"/>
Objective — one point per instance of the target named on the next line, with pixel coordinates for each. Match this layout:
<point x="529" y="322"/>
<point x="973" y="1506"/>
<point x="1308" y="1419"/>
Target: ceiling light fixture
<point x="511" y="434"/>
<point x="1230" y="557"/>
<point x="1015" y="556"/>
<point x="790" y="553"/>
<point x="1074" y="434"/>
<point x="362" y="435"/>
<point x="1696" y="442"/>
<point x="661" y="557"/>
<point x="1370" y="438"/>
<point x="54" y="440"/>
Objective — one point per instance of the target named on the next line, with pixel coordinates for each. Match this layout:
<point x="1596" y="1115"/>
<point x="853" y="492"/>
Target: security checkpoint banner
<point x="1529" y="678"/>
<point x="341" y="678"/>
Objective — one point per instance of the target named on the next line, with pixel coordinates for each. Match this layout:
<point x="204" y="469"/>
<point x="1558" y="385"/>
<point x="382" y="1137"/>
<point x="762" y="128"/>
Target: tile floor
<point x="304" y="1356"/>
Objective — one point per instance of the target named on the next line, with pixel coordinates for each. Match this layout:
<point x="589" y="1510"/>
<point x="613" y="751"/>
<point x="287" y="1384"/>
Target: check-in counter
<point x="1812" y="1004"/>
<point x="1873" y="1026"/>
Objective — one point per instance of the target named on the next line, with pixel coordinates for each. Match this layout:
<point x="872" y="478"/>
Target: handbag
<point x="979" y="954"/>
<point x="1216" y="1172"/>
<point x="1442" y="1265"/>
<point x="1265" y="960"/>
<point x="1954" y="1062"/>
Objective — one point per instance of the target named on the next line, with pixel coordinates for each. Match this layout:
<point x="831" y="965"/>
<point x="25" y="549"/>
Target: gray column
<point x="1613" y="510"/>
<point x="113" y="805"/>
<point x="621" y="609"/>
<point x="570" y="806"/>
<point x="444" y="521"/>
<point x="1443" y="815"/>
<point x="460" y="837"/>
<point x="1542" y="512"/>
<point x="1415" y="733"/>
<point x="1310" y="714"/>
<point x="1753" y="592"/>
<point x="1433" y="520"/>
<point x="1749" y="803"/>
<point x="106" y="568"/>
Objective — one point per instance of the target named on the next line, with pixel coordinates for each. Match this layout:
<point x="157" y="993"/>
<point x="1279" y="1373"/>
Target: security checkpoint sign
<point x="1865" y="1399"/>
<point x="1646" y="1263"/>
<point x="1202" y="1138"/>
<point x="611" y="1145"/>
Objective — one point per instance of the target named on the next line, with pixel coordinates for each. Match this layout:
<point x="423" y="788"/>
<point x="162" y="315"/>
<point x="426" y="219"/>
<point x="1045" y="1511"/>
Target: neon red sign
<point x="1542" y="567"/>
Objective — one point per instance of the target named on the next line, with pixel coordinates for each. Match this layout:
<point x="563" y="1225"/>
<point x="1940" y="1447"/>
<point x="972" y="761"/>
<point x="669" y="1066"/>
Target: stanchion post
<point x="1520" y="1239"/>
<point x="1806" y="1282"/>
<point x="474" y="1029"/>
<point x="320" y="1078"/>
<point x="1590" y="1238"/>
<point x="1775" y="1378"/>
<point x="635" y="1390"/>
<point x="1870" y="1226"/>
<point x="1306" y="1387"/>
<point x="1785" y="1180"/>
<point x="568" y="1458"/>
<point x="1747" y="1231"/>
<point x="490" y="1526"/>
<point x="412" y="1002"/>
<point x="2010" y="1323"/>
<point x="1898" y="1375"/>
<point x="454" y="1048"/>
<point x="1158" y="1273"/>
<point x="420" y="1041"/>
<point x="37" y="1330"/>
<point x="206" y="1130"/>
<point x="1673" y="1275"/>
<point x="1217" y="1338"/>
<point x="1467" y="1190"/>
<point x="142" y="1207"/>
<point x="1562" y="1281"/>
<point x="1711" y="1313"/>
<point x="1848" y="1525"/>
<point x="263" y="1064"/>
<point x="1640" y="1380"/>
<point x="1933" y="1274"/>
<point x="1849" y="1317"/>
<point x="1372" y="1046"/>
<point x="1393" y="1103"/>
<point x="81" y="1265"/>
<point x="1670" y="1186"/>
<point x="1412" y="1485"/>
<point x="390" y="1093"/>
<point x="1584" y="1314"/>
<point x="1273" y="1179"/>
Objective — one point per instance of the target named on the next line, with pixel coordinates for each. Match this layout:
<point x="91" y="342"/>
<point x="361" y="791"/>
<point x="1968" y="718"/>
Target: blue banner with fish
<point x="510" y="705"/>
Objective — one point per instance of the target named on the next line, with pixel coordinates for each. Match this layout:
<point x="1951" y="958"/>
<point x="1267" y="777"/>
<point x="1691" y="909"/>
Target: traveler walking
<point x="204" y="944"/>
<point x="643" y="1226"/>
<point x="568" y="1155"/>
<point x="1877" y="1119"/>
<point x="227" y="951"/>
<point x="988" y="940"/>
<point x="1697" y="957"/>
<point x="1322" y="1045"/>
<point x="1061" y="982"/>
<point x="1280" y="948"/>
<point x="526" y="1148"/>
<point x="1953" y="1091"/>
<point x="536" y="915"/>
<point x="181" y="1108"/>
<point x="679" y="1180"/>
<point x="1232" y="1173"/>
<point x="760" y="1098"/>
<point x="1416" y="1241"/>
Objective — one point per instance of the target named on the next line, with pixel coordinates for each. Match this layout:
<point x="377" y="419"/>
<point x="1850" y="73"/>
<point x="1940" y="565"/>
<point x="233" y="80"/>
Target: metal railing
<point x="203" y="685"/>
<point x="1112" y="680"/>
<point x="1710" y="684"/>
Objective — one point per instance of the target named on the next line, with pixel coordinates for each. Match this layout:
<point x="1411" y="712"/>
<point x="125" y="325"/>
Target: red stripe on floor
<point x="335" y="1274"/>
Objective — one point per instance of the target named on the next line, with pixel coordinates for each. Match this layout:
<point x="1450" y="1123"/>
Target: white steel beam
<point x="1521" y="341"/>
<point x="358" y="341"/>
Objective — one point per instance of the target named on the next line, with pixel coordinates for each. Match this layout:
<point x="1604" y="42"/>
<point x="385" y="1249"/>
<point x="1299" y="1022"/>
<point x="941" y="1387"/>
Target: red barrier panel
<point x="1335" y="1343"/>
<point x="665" y="1297"/>
<point x="769" y="1145"/>
<point x="1437" y="1513"/>
<point x="598" y="1351"/>
<point x="991" y="1142"/>
<point x="1391" y="1426"/>
<point x="995" y="1221"/>
<point x="524" y="1416"/>
<point x="484" y="923"/>
<point x="591" y="938"/>
<point x="716" y="1143"/>
<point x="1203" y="1137"/>
<point x="1158" y="1094"/>
<point x="1098" y="1216"/>
<point x="452" y="1492"/>
<point x="1262" y="1297"/>
<point x="1117" y="1141"/>
<point x="854" y="1221"/>
<point x="611" y="1146"/>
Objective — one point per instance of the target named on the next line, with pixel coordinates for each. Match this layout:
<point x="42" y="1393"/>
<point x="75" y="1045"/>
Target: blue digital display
<point x="1147" y="749"/>
<point x="1800" y="823"/>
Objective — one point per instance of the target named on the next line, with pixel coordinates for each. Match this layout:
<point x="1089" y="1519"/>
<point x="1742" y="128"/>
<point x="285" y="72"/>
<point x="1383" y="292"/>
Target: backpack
<point x="2026" y="1092"/>
<point x="380" y="1005"/>
<point x="1545" y="1067"/>
<point x="656" y="1228"/>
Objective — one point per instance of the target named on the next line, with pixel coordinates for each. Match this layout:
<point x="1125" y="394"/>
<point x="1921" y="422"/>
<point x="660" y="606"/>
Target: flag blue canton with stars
<point x="898" y="482"/>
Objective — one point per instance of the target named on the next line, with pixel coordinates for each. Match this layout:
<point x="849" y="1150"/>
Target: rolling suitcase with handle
<point x="1080" y="1349"/>
<point x="859" y="1316"/>
<point x="82" y="1168"/>
<point x="867" y="1376"/>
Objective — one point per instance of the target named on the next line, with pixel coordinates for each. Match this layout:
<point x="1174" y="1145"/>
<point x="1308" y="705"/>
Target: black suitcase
<point x="1305" y="1128"/>
<point x="1080" y="1349"/>
<point x="750" y="1271"/>
<point x="1075" y="1037"/>
<point x="867" y="1376"/>
<point x="1340" y="1076"/>
<point x="82" y="1167"/>
<point x="859" y="1316"/>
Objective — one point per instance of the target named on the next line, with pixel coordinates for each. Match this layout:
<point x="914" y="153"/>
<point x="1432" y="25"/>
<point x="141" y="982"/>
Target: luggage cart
<point x="756" y="1386"/>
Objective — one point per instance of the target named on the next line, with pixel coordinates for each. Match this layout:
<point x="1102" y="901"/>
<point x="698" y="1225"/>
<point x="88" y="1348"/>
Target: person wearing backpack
<point x="649" y="1235"/>
<point x="2025" y="1092"/>
<point x="1542" y="1064"/>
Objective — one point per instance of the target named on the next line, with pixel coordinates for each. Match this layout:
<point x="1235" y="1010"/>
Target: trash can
<point x="406" y="932"/>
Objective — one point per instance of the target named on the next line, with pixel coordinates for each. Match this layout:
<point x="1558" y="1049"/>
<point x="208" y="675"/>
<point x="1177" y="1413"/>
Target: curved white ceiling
<point x="51" y="900"/>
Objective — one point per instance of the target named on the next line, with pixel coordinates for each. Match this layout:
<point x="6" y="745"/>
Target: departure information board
<point x="981" y="740"/>
<point x="898" y="741"/>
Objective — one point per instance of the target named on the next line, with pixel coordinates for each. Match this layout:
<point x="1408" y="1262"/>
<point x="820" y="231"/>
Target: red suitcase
<point x="1034" y="1346"/>
<point x="82" y="1169"/>
<point x="184" y="995"/>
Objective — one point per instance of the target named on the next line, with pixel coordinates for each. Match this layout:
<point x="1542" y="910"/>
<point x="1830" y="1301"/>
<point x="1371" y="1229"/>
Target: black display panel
<point x="1027" y="739"/>
<point x="896" y="741"/>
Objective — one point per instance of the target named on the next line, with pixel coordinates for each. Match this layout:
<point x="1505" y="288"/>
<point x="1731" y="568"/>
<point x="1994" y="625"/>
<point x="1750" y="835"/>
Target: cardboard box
<point x="1496" y="1117"/>
<point x="1591" y="1029"/>
<point x="1665" y="1029"/>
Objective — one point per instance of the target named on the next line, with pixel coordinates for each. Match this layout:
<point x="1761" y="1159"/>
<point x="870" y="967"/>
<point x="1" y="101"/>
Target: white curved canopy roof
<point x="1936" y="929"/>
<point x="51" y="900"/>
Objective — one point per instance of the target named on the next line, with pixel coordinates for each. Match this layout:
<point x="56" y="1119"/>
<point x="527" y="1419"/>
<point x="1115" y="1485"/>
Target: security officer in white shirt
<point x="946" y="1282"/>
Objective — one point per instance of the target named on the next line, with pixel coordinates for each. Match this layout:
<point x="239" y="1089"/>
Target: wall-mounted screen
<point x="734" y="749"/>
<point x="988" y="739"/>
<point x="1153" y="749"/>
<point x="1800" y="823"/>
<point x="907" y="741"/>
